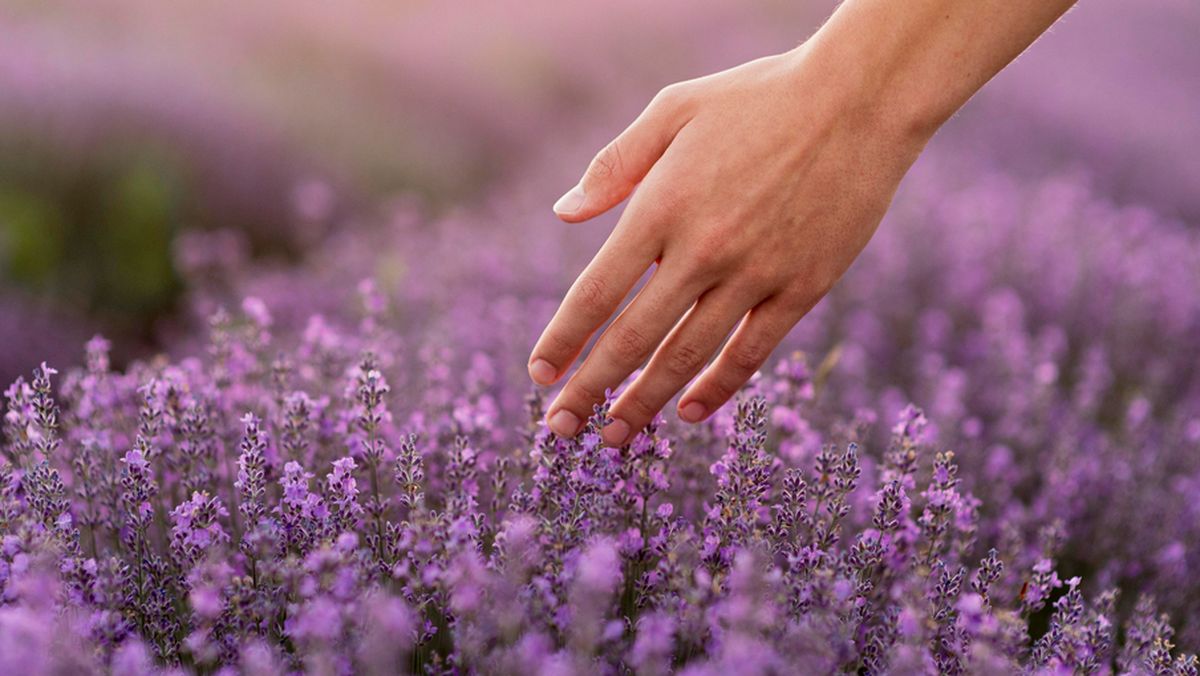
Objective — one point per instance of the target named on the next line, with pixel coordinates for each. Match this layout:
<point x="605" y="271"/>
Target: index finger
<point x="592" y="299"/>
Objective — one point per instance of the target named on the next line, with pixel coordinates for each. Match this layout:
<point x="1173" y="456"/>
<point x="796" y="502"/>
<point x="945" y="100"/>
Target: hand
<point x="756" y="189"/>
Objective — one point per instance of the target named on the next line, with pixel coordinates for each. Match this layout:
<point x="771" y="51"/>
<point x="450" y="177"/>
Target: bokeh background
<point x="254" y="131"/>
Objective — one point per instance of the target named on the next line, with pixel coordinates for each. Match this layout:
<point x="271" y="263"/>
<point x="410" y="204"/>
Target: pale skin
<point x="756" y="188"/>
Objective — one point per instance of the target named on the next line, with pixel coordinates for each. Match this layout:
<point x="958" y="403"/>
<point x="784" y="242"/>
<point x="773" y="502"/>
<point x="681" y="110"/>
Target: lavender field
<point x="314" y="245"/>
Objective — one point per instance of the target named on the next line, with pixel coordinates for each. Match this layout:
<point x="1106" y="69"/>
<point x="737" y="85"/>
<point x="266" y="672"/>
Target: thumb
<point x="624" y="162"/>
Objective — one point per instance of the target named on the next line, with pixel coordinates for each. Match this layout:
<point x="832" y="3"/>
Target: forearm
<point x="915" y="62"/>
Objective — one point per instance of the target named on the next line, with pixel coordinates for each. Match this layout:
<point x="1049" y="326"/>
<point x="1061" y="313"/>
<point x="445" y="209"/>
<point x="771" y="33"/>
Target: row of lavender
<point x="267" y="507"/>
<point x="1048" y="333"/>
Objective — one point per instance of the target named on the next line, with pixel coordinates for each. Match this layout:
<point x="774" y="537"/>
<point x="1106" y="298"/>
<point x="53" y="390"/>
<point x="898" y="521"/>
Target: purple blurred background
<point x="155" y="155"/>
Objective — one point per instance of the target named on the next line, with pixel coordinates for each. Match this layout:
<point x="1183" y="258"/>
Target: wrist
<point x="892" y="64"/>
<point x="911" y="65"/>
<point x="853" y="91"/>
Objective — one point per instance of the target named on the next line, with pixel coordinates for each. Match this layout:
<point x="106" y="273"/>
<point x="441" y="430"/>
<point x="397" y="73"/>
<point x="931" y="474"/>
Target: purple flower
<point x="196" y="527"/>
<point x="251" y="475"/>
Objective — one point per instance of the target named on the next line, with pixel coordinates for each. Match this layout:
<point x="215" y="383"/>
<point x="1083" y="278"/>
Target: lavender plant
<point x="208" y="513"/>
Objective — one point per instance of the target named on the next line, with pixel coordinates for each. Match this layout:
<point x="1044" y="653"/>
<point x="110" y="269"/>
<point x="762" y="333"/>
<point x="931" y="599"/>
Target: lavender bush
<point x="318" y="488"/>
<point x="276" y="505"/>
<point x="1047" y="332"/>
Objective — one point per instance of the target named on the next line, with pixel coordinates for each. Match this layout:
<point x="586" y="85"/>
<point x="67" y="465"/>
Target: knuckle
<point x="756" y="279"/>
<point x="683" y="361"/>
<point x="671" y="98"/>
<point x="704" y="264"/>
<point x="629" y="345"/>
<point x="812" y="288"/>
<point x="722" y="388"/>
<point x="635" y="403"/>
<point x="592" y="295"/>
<point x="667" y="96"/>
<point x="705" y="258"/>
<point x="607" y="162"/>
<point x="796" y="302"/>
<point x="585" y="393"/>
<point x="558" y="345"/>
<point x="660" y="203"/>
<point x="747" y="356"/>
<point x="712" y="252"/>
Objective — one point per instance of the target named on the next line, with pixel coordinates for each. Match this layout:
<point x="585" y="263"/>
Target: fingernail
<point x="692" y="412"/>
<point x="570" y="202"/>
<point x="615" y="433"/>
<point x="542" y="372"/>
<point x="564" y="423"/>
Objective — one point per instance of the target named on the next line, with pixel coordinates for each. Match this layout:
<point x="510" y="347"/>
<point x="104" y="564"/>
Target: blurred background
<point x="152" y="154"/>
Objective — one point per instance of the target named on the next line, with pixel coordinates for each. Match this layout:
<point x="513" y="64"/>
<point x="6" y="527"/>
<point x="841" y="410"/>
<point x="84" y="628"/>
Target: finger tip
<point x="563" y="423"/>
<point x="542" y="372"/>
<point x="692" y="412"/>
<point x="571" y="203"/>
<point x="615" y="433"/>
<point x="573" y="217"/>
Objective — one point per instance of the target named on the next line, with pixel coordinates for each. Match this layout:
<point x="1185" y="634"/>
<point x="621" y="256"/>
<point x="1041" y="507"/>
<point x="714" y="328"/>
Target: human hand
<point x="756" y="189"/>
